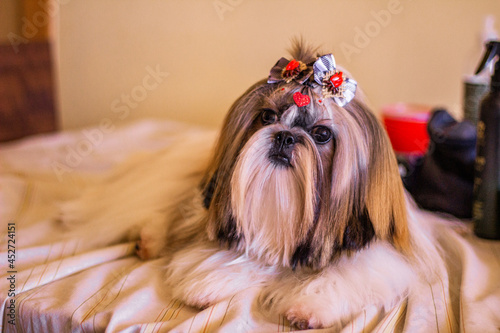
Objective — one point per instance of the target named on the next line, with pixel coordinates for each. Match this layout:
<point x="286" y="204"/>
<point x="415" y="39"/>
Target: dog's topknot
<point x="303" y="51"/>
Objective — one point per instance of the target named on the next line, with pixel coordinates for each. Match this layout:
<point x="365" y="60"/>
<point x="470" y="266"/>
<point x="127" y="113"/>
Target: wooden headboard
<point x="27" y="92"/>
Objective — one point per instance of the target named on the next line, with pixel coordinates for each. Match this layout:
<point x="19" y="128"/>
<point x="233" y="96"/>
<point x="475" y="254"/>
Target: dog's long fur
<point x="322" y="237"/>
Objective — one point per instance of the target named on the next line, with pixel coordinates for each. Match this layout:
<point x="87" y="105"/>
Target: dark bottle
<point x="486" y="206"/>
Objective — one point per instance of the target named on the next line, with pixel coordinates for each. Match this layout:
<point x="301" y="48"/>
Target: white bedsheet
<point x="54" y="286"/>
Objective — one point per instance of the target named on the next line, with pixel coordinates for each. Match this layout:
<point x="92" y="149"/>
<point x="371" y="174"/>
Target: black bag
<point x="443" y="179"/>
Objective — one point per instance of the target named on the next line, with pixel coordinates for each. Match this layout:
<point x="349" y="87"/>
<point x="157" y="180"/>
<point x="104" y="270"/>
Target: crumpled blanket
<point x="51" y="284"/>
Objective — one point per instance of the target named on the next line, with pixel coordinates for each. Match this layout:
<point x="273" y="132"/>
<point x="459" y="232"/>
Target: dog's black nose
<point x="284" y="139"/>
<point x="281" y="151"/>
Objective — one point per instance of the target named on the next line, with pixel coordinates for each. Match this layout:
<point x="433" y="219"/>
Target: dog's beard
<point x="274" y="205"/>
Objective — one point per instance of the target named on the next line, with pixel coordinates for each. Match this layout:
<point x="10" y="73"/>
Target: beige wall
<point x="398" y="50"/>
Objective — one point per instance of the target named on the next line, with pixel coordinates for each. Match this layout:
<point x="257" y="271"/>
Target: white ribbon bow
<point x="335" y="84"/>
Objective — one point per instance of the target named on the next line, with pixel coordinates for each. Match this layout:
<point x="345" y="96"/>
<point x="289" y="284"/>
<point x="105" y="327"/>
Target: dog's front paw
<point x="152" y="242"/>
<point x="147" y="248"/>
<point x="303" y="318"/>
<point x="141" y="250"/>
<point x="310" y="313"/>
<point x="71" y="215"/>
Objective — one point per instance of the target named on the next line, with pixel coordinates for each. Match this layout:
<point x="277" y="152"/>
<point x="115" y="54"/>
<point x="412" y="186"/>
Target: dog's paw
<point x="302" y="319"/>
<point x="80" y="211"/>
<point x="141" y="251"/>
<point x="301" y="324"/>
<point x="147" y="249"/>
<point x="309" y="313"/>
<point x="152" y="242"/>
<point x="70" y="215"/>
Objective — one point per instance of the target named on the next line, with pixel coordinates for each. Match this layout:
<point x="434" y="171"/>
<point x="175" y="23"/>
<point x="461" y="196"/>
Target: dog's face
<point x="296" y="184"/>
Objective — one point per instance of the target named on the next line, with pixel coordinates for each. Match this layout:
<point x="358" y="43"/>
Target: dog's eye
<point x="321" y="134"/>
<point x="268" y="116"/>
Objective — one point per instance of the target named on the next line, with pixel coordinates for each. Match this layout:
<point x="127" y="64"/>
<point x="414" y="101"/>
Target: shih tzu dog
<point x="301" y="199"/>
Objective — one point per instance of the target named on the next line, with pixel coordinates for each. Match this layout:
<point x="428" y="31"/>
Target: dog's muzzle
<point x="281" y="151"/>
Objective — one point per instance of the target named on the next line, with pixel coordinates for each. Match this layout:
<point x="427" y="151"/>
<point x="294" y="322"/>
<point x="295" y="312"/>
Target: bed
<point x="49" y="284"/>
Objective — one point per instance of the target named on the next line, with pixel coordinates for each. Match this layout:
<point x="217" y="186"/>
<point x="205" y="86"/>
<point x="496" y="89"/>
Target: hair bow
<point x="335" y="84"/>
<point x="289" y="70"/>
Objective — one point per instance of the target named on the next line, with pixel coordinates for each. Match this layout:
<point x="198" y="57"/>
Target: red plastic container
<point x="406" y="125"/>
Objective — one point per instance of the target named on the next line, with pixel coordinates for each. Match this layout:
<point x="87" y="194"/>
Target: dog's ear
<point x="385" y="199"/>
<point x="215" y="186"/>
<point x="361" y="193"/>
<point x="385" y="202"/>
